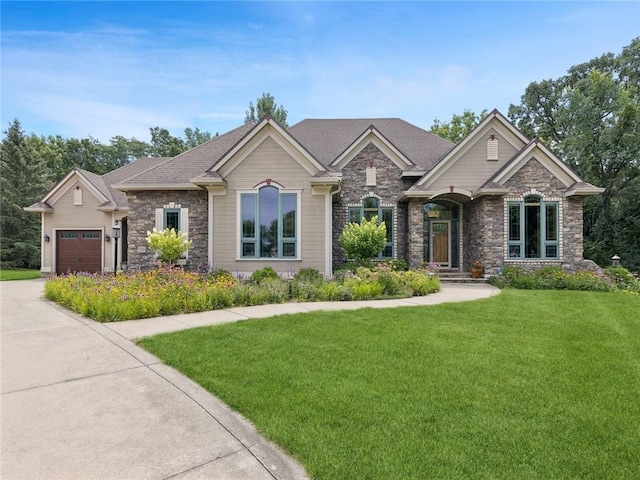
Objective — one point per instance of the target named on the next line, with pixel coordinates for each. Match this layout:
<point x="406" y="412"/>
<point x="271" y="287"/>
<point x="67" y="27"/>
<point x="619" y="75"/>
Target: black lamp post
<point x="116" y="235"/>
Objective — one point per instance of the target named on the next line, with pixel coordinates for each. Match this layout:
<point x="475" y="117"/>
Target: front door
<point x="440" y="245"/>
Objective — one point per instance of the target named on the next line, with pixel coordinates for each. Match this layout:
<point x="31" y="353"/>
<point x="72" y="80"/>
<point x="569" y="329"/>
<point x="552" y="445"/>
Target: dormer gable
<point x="373" y="136"/>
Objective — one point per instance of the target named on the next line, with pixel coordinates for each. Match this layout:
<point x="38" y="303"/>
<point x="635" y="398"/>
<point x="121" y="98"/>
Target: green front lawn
<point x="528" y="384"/>
<point x="18" y="274"/>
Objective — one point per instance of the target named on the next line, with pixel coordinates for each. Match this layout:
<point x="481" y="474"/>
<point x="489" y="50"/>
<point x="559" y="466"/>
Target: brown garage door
<point x="79" y="251"/>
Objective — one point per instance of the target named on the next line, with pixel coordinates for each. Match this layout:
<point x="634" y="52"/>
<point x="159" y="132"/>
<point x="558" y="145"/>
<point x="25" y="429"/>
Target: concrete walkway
<point x="143" y="328"/>
<point x="80" y="400"/>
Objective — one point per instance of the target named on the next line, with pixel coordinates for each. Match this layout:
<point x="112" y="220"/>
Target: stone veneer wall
<point x="389" y="186"/>
<point x="142" y="218"/>
<point x="415" y="235"/>
<point x="536" y="179"/>
<point x="483" y="232"/>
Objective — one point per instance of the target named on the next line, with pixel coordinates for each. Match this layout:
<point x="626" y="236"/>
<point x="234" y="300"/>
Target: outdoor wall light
<point x="46" y="238"/>
<point x="107" y="238"/>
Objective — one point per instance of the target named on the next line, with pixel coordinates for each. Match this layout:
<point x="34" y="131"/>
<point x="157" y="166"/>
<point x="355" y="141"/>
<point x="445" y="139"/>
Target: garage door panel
<point x="79" y="251"/>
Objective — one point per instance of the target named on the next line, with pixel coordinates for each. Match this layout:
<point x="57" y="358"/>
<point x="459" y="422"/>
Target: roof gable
<point x="267" y="128"/>
<point x="536" y="149"/>
<point x="494" y="121"/>
<point x="374" y="136"/>
<point x="92" y="182"/>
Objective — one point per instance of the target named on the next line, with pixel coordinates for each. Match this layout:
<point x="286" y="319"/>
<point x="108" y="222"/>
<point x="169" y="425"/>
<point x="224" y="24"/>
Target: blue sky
<point x="117" y="68"/>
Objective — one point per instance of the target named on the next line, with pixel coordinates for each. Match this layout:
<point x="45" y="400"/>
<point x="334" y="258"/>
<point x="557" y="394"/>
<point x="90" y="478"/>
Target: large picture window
<point x="269" y="224"/>
<point x="532" y="227"/>
<point x="369" y="209"/>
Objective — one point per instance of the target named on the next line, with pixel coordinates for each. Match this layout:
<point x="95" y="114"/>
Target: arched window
<point x="533" y="230"/>
<point x="370" y="208"/>
<point x="269" y="224"/>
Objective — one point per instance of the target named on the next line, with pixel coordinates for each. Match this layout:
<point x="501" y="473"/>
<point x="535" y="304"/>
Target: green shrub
<point x="334" y="292"/>
<point x="623" y="279"/>
<point x="363" y="290"/>
<point x="220" y="274"/>
<point x="421" y="283"/>
<point x="394" y="283"/>
<point x="168" y="244"/>
<point x="394" y="265"/>
<point x="266" y="273"/>
<point x="364" y="241"/>
<point x="269" y="290"/>
<point x="304" y="291"/>
<point x="551" y="278"/>
<point x="308" y="275"/>
<point x="305" y="283"/>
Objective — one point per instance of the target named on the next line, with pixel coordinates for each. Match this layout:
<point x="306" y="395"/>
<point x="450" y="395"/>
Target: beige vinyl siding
<point x="268" y="161"/>
<point x="473" y="169"/>
<point x="67" y="216"/>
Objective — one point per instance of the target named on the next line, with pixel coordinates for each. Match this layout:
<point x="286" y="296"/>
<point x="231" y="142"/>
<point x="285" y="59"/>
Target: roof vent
<point x="371" y="176"/>
<point x="492" y="148"/>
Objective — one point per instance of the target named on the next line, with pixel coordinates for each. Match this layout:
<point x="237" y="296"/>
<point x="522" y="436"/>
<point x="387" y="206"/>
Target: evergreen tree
<point x="22" y="180"/>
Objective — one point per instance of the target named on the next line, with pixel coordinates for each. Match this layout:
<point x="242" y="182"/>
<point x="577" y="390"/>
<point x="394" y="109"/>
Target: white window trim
<point x="183" y="218"/>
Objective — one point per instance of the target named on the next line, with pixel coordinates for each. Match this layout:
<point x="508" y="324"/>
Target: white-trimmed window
<point x="533" y="229"/>
<point x="172" y="215"/>
<point x="370" y="208"/>
<point x="269" y="223"/>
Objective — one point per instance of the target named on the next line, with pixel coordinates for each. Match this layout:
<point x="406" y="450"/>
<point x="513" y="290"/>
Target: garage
<point x="78" y="251"/>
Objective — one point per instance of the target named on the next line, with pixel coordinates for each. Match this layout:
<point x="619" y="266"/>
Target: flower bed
<point x="554" y="278"/>
<point x="170" y="291"/>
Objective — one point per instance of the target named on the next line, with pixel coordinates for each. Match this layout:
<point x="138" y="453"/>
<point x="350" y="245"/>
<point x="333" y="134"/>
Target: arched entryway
<point x="441" y="230"/>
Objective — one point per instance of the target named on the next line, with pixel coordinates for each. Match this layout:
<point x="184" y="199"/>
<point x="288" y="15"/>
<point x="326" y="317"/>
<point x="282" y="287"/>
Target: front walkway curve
<point x="449" y="292"/>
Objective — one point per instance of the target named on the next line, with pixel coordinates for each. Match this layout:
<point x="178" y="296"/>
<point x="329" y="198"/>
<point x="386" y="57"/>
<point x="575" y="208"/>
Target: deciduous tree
<point x="266" y="105"/>
<point x="458" y="127"/>
<point x="591" y="119"/>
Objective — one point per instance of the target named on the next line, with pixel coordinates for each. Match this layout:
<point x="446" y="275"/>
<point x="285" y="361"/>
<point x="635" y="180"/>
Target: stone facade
<point x="141" y="219"/>
<point x="415" y="235"/>
<point x="483" y="233"/>
<point x="534" y="178"/>
<point x="388" y="188"/>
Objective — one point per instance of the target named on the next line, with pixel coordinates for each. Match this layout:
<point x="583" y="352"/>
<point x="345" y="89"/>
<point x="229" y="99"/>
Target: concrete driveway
<point x="79" y="401"/>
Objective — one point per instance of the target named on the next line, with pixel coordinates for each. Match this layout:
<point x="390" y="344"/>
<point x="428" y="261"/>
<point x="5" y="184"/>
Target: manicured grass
<point x="528" y="384"/>
<point x="18" y="274"/>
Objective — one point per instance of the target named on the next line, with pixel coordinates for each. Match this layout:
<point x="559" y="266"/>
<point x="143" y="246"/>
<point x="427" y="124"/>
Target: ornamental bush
<point x="168" y="244"/>
<point x="363" y="241"/>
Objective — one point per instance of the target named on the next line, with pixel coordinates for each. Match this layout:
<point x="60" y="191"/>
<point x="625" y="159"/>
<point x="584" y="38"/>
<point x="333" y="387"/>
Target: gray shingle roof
<point x="326" y="139"/>
<point x="127" y="171"/>
<point x="181" y="168"/>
